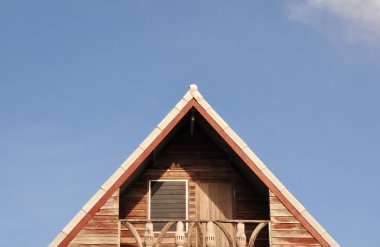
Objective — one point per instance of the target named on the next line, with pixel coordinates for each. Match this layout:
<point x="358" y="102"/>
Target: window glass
<point x="168" y="200"/>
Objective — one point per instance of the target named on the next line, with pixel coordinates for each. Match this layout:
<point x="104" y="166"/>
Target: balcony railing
<point x="233" y="230"/>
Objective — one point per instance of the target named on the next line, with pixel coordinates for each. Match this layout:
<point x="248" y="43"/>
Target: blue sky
<point x="83" y="82"/>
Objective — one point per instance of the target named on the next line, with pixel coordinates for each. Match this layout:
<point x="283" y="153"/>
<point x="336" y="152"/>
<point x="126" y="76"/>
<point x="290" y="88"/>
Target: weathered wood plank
<point x="290" y="240"/>
<point x="194" y="158"/>
<point x="95" y="239"/>
<point x="280" y="212"/>
<point x="290" y="233"/>
<point x="286" y="230"/>
<point x="102" y="229"/>
<point x="282" y="226"/>
<point x="284" y="219"/>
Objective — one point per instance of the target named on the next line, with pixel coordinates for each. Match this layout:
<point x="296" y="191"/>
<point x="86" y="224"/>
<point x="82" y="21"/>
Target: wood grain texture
<point x="285" y="229"/>
<point x="271" y="182"/>
<point x="195" y="158"/>
<point x="103" y="228"/>
<point x="310" y="225"/>
<point x="215" y="202"/>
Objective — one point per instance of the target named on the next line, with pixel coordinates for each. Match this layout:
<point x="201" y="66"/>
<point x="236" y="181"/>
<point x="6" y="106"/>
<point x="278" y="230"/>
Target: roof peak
<point x="192" y="98"/>
<point x="193" y="87"/>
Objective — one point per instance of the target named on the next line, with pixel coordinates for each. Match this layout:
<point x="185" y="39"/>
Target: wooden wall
<point x="194" y="158"/>
<point x="285" y="229"/>
<point x="103" y="229"/>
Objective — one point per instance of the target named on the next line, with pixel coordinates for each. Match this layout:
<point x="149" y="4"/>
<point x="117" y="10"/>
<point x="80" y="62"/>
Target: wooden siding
<point x="220" y="207"/>
<point x="285" y="229"/>
<point x="238" y="147"/>
<point x="194" y="158"/>
<point x="103" y="228"/>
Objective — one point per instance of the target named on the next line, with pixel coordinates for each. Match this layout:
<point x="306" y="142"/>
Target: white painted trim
<point x="171" y="180"/>
<point x="193" y="93"/>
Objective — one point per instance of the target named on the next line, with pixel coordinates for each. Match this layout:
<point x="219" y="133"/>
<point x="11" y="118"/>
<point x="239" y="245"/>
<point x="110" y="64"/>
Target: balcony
<point x="210" y="233"/>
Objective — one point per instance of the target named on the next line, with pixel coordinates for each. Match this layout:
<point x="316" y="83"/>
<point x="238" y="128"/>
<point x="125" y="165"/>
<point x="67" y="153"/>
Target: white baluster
<point x="241" y="239"/>
<point x="210" y="235"/>
<point x="180" y="234"/>
<point x="149" y="235"/>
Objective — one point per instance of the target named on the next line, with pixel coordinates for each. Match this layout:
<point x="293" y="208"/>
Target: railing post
<point x="241" y="239"/>
<point x="180" y="235"/>
<point x="210" y="235"/>
<point x="149" y="235"/>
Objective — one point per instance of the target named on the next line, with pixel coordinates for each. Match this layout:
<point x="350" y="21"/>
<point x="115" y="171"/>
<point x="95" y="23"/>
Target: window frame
<point x="187" y="198"/>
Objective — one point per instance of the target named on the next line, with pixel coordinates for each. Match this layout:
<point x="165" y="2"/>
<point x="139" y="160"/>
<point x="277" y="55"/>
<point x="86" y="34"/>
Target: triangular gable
<point x="192" y="99"/>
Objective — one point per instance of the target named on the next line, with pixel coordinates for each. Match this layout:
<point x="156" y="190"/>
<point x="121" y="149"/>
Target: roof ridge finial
<point x="193" y="87"/>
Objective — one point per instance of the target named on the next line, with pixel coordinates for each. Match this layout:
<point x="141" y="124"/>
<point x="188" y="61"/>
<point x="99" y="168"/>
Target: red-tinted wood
<point x="229" y="141"/>
<point x="102" y="229"/>
<point x="262" y="177"/>
<point x="126" y="175"/>
<point x="195" y="158"/>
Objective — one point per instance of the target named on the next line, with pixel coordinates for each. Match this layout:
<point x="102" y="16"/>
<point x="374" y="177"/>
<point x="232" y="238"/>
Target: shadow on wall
<point x="216" y="188"/>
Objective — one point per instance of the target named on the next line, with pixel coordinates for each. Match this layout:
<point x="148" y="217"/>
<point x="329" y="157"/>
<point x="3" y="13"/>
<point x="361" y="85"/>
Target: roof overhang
<point x="134" y="163"/>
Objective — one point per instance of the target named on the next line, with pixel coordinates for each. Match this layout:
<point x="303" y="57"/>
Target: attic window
<point x="167" y="200"/>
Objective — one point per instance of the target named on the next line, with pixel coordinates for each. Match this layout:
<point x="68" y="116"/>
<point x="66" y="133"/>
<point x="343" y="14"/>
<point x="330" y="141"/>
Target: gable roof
<point x="191" y="99"/>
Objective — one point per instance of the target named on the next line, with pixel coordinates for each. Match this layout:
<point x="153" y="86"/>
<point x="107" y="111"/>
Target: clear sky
<point x="83" y="82"/>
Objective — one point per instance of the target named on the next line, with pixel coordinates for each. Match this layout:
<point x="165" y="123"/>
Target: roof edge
<point x="192" y="97"/>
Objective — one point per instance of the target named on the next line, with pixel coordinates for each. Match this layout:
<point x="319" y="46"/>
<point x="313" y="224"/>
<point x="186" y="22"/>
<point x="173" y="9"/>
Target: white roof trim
<point x="193" y="93"/>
